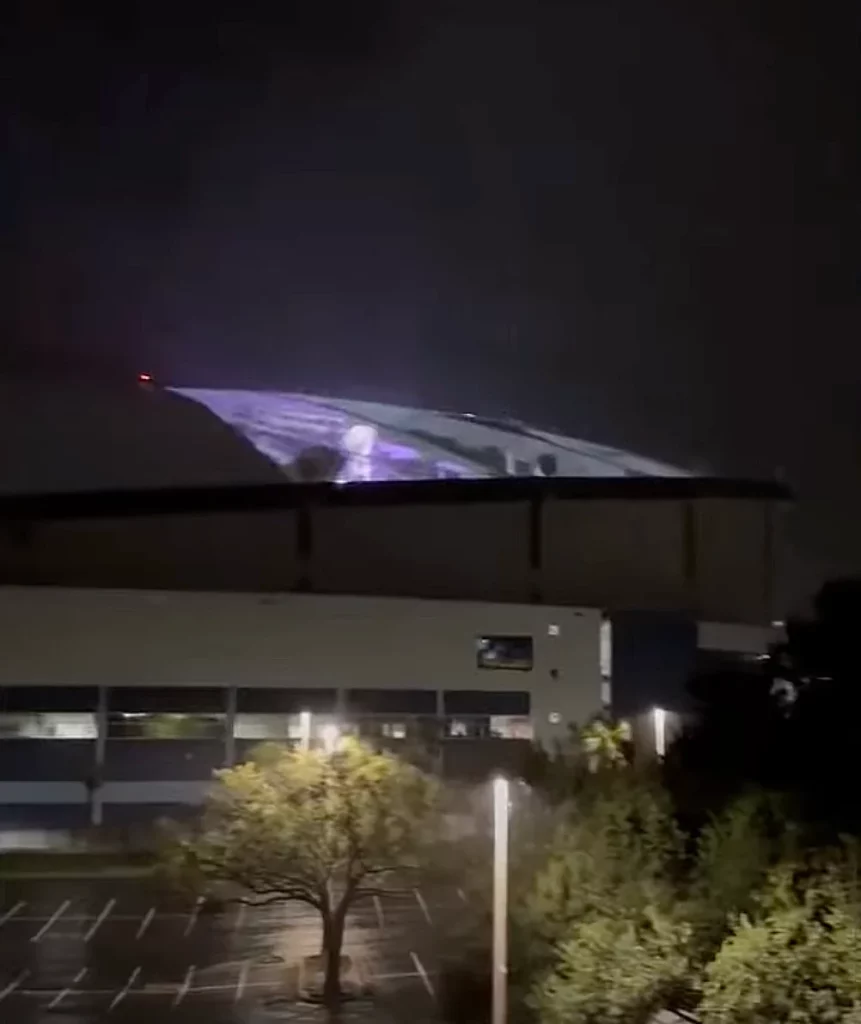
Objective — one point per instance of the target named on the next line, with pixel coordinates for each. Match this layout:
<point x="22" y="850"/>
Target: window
<point x="267" y="727"/>
<point x="374" y="727"/>
<point x="391" y="702"/>
<point x="483" y="727"/>
<point x="164" y="726"/>
<point x="279" y="727"/>
<point x="504" y="652"/>
<point x="466" y="703"/>
<point x="394" y="730"/>
<point x="62" y="725"/>
<point x="511" y="727"/>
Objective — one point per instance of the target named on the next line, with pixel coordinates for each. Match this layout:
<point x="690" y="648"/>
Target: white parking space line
<point x="423" y="974"/>
<point x="186" y="985"/>
<point x="462" y="895"/>
<point x="11" y="913"/>
<point x="145" y="923"/>
<point x="10" y="988"/>
<point x="421" y="902"/>
<point x="60" y="996"/>
<point x="124" y="991"/>
<point x="192" y="917"/>
<point x="58" y="913"/>
<point x="240" y="917"/>
<point x="100" y="920"/>
<point x="395" y="976"/>
<point x="242" y="981"/>
<point x="381" y="921"/>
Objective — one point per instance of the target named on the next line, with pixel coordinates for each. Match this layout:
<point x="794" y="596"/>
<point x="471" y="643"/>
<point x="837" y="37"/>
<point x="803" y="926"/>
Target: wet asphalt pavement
<point x="125" y="951"/>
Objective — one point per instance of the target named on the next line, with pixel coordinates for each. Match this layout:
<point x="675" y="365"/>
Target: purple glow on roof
<point x="383" y="442"/>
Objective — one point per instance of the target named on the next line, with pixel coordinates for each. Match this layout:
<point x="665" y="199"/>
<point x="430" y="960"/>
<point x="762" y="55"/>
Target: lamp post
<point x="330" y="734"/>
<point x="500" y="900"/>
<point x="305" y="730"/>
<point x="660" y="723"/>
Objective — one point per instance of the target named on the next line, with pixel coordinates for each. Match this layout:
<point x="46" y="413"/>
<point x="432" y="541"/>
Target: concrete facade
<point x="709" y="548"/>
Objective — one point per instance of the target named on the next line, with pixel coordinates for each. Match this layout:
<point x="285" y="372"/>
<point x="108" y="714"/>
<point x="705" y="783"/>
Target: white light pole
<point x="305" y="730"/>
<point x="660" y="721"/>
<point x="330" y="734"/>
<point x="500" y="900"/>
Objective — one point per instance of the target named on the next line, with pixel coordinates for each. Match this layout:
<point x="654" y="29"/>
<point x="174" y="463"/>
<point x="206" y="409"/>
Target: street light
<point x="330" y="735"/>
<point x="660" y="724"/>
<point x="500" y="899"/>
<point x="305" y="730"/>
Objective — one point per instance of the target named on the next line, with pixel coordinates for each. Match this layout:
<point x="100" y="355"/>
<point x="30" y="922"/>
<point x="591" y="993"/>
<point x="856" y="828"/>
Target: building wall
<point x="231" y="551"/>
<point x="134" y="638"/>
<point x="735" y="556"/>
<point x="615" y="554"/>
<point x="472" y="552"/>
<point x="712" y="557"/>
<point x="101" y="653"/>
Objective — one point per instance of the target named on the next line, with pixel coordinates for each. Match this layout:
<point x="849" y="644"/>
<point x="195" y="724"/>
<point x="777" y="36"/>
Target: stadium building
<point x="185" y="574"/>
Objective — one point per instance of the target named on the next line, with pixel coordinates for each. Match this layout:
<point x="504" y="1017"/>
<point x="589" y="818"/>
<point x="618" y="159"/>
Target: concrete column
<point x="230" y="727"/>
<point x="97" y="781"/>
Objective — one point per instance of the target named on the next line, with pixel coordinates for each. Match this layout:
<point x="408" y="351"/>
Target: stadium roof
<point x="73" y="436"/>
<point x="390" y="442"/>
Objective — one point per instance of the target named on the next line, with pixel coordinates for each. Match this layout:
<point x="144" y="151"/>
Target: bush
<point x="799" y="960"/>
<point x="615" y="969"/>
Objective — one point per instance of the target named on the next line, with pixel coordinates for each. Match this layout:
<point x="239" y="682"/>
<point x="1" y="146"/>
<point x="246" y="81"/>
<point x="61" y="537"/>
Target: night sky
<point x="633" y="220"/>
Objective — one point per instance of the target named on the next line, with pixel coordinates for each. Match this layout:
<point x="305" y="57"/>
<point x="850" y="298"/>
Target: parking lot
<point x="127" y="951"/>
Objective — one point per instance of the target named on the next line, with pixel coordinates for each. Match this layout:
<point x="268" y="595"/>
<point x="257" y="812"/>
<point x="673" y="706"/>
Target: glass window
<point x="394" y="730"/>
<point x="474" y="728"/>
<point x="504" y="652"/>
<point x="376" y="727"/>
<point x="511" y="727"/>
<point x="164" y="726"/>
<point x="482" y="727"/>
<point x="267" y="727"/>
<point x="56" y="725"/>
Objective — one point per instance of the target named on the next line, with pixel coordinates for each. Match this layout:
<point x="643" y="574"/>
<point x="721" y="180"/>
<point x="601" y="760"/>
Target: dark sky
<point x="636" y="220"/>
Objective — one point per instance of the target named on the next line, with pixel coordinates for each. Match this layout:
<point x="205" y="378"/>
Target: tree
<point x="798" y="959"/>
<point x="599" y="926"/>
<point x="607" y="743"/>
<point x="618" y="848"/>
<point x="559" y="774"/>
<point x="322" y="829"/>
<point x="621" y="968"/>
<point x="735" y="853"/>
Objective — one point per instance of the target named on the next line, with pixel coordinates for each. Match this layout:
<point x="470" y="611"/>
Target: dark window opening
<point x="384" y="702"/>
<point x="460" y="703"/>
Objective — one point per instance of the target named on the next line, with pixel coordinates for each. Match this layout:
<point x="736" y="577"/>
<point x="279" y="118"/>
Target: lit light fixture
<point x="660" y="723"/>
<point x="499" y="1000"/>
<point x="145" y="378"/>
<point x="305" y="730"/>
<point x="553" y="629"/>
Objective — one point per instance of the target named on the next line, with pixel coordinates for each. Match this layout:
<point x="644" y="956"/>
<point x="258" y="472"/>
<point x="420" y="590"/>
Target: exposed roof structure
<point x="362" y="441"/>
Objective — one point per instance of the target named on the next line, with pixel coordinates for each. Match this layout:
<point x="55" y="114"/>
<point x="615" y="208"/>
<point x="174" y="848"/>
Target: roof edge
<point x="266" y="497"/>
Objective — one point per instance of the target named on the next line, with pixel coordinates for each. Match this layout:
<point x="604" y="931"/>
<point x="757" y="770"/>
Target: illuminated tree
<point x="606" y="743"/>
<point x="798" y="959"/>
<point x="322" y="829"/>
